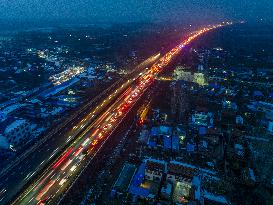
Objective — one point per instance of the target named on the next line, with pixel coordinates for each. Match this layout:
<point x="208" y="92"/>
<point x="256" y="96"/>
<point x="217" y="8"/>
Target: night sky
<point x="136" y="10"/>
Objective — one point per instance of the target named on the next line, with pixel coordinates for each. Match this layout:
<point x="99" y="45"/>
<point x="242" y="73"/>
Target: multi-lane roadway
<point x="26" y="167"/>
<point x="59" y="175"/>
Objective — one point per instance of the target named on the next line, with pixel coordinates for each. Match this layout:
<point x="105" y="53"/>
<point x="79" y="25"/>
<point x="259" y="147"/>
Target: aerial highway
<point x="19" y="173"/>
<point x="59" y="174"/>
<point x="73" y="119"/>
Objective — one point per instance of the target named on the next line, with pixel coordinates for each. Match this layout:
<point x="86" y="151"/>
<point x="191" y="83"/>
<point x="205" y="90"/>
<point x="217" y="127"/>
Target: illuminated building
<point x="66" y="75"/>
<point x="154" y="170"/>
<point x="199" y="78"/>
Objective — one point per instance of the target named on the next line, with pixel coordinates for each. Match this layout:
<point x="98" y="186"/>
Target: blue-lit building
<point x="162" y="137"/>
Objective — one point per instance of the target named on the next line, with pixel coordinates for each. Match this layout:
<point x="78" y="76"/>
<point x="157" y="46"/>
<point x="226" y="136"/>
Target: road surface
<point x="35" y="159"/>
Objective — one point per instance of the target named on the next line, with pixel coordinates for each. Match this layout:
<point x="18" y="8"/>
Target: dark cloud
<point x="135" y="10"/>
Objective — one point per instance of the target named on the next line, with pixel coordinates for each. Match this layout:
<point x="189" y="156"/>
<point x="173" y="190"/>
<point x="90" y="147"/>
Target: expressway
<point x="58" y="176"/>
<point x="24" y="170"/>
<point x="55" y="179"/>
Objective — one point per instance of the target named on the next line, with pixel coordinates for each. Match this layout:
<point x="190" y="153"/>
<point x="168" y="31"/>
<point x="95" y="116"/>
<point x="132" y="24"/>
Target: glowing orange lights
<point x="168" y="56"/>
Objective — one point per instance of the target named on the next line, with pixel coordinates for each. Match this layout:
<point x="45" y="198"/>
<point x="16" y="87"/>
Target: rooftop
<point x="153" y="164"/>
<point x="125" y="177"/>
<point x="181" y="169"/>
<point x="3" y="142"/>
<point x="216" y="198"/>
<point x="14" y="125"/>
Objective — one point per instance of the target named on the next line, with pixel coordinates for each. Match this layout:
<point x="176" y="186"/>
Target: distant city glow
<point x="168" y="56"/>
